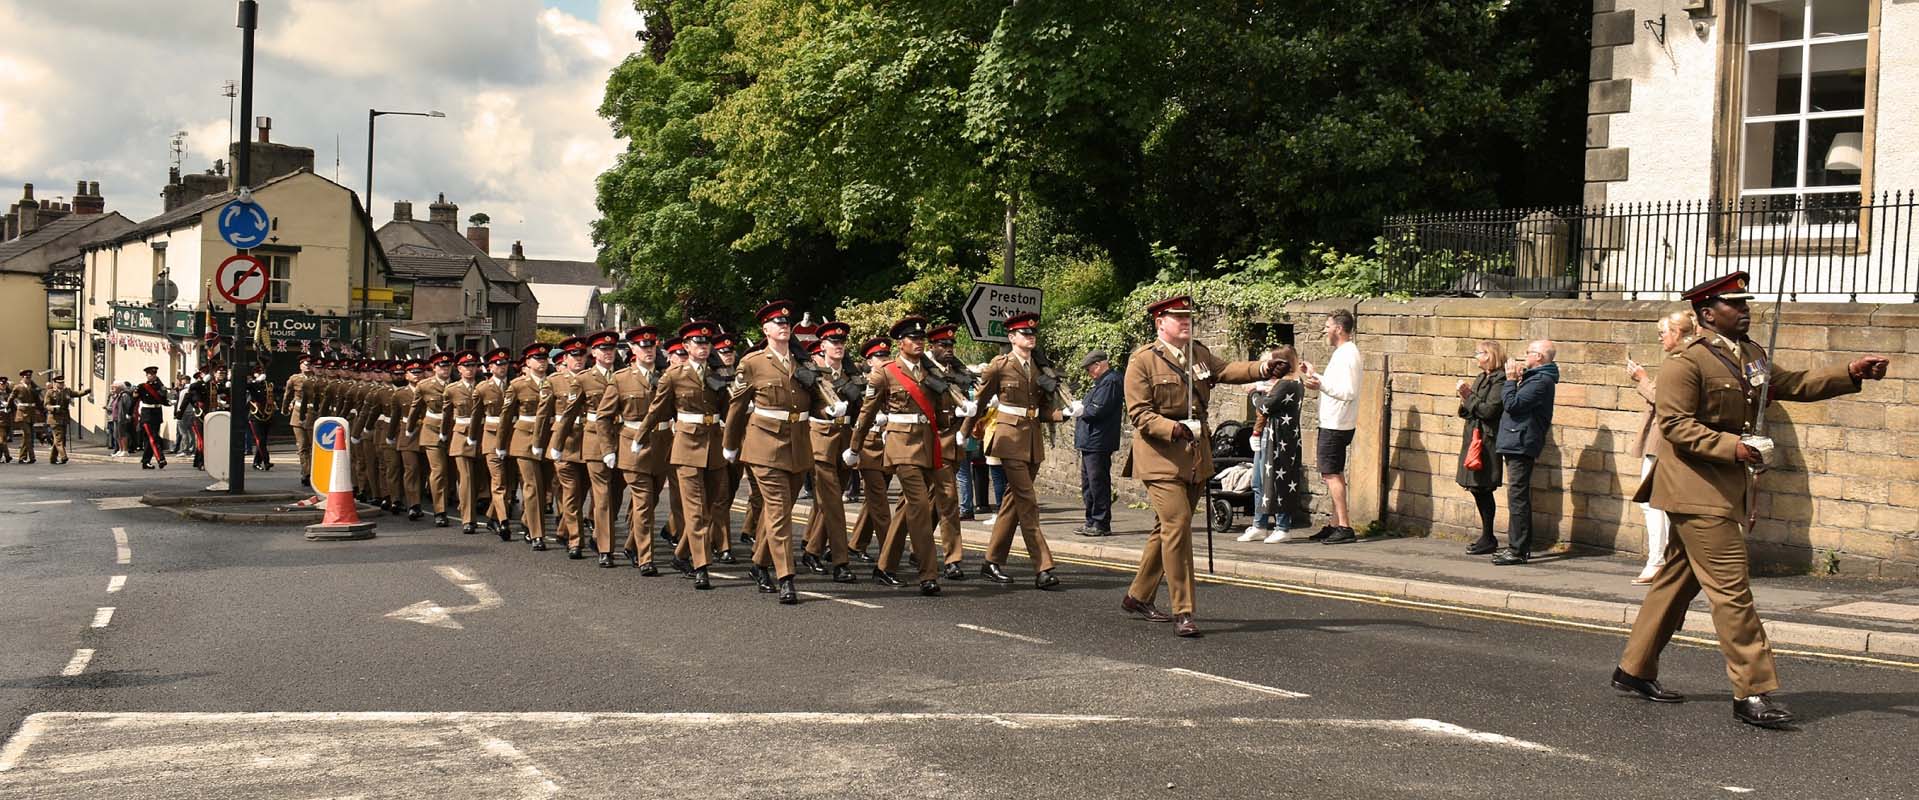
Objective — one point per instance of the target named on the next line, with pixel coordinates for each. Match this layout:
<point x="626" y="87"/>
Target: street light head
<point x="435" y="114"/>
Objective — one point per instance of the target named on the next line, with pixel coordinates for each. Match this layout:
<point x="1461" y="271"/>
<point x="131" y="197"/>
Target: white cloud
<point x="93" y="90"/>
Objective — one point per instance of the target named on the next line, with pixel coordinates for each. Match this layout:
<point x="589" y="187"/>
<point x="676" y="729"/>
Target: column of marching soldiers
<point x="608" y="423"/>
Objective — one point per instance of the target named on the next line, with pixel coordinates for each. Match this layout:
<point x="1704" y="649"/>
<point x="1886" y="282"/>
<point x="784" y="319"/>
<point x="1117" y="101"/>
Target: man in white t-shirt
<point x="1338" y="387"/>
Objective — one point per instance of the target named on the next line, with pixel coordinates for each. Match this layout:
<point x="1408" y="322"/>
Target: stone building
<point x="573" y="294"/>
<point x="40" y="261"/>
<point x="509" y="309"/>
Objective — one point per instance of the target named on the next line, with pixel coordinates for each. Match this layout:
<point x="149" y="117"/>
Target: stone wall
<point x="1849" y="485"/>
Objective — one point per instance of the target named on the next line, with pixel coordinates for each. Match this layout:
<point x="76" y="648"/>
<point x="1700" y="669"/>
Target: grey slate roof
<point x="189" y="214"/>
<point x="430" y="267"/>
<point x="47" y="234"/>
<point x="447" y="241"/>
<point x="575" y="273"/>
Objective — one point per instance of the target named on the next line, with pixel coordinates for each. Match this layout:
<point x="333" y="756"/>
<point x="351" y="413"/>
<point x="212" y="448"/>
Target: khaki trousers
<point x="58" y="427"/>
<point x="6" y="439"/>
<point x="913" y="518"/>
<point x="643" y="495"/>
<point x="532" y="496"/>
<point x="722" y="538"/>
<point x="608" y="490"/>
<point x="413" y="469"/>
<point x="501" y="485"/>
<point x="569" y="501"/>
<point x="697" y="489"/>
<point x="439" y="477"/>
<point x="471" y="475"/>
<point x="1020" y="508"/>
<point x="26" y="441"/>
<point x="392" y="473"/>
<point x="946" y="506"/>
<point x="1169" y="549"/>
<point x="1706" y="553"/>
<point x="826" y="527"/>
<point x="773" y="542"/>
<point x="303" y="441"/>
<point x="876" y="509"/>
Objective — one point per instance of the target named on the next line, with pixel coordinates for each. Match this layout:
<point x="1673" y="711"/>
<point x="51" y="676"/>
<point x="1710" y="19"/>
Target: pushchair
<point x="1232" y="446"/>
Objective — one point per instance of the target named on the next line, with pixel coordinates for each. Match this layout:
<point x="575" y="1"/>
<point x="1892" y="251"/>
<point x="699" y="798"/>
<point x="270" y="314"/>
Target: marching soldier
<point x="297" y="398"/>
<point x="260" y="416"/>
<point x="1166" y="396"/>
<point x="869" y="444"/>
<point x="725" y="360"/>
<point x="463" y="438"/>
<point x="605" y="490"/>
<point x="674" y="349"/>
<point x="832" y="435"/>
<point x="489" y="417"/>
<point x="774" y="393"/>
<point x="908" y="396"/>
<point x="6" y="419"/>
<point x="409" y="413"/>
<point x="151" y="396"/>
<point x="383" y="412"/>
<point x="690" y="397"/>
<point x="527" y="423"/>
<point x="640" y="452"/>
<point x="434" y="435"/>
<point x="566" y="445"/>
<point x="1015" y="384"/>
<point x="359" y="385"/>
<point x="28" y="410"/>
<point x="59" y="402"/>
<point x="1709" y="400"/>
<point x="940" y="342"/>
<point x="199" y="401"/>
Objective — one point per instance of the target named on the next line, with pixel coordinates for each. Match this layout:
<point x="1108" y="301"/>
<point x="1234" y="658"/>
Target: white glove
<point x="536" y="451"/>
<point x="1073" y="410"/>
<point x="472" y="443"/>
<point x="960" y="439"/>
<point x="499" y="454"/>
<point x="851" y="458"/>
<point x="967" y="409"/>
<point x="553" y="455"/>
<point x="635" y="447"/>
<point x="1192" y="425"/>
<point x="389" y="442"/>
<point x="837" y="408"/>
<point x="353" y="439"/>
<point x="730" y="455"/>
<point x="609" y="460"/>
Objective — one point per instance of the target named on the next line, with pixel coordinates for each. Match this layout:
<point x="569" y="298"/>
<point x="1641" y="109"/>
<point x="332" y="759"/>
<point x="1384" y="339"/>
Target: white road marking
<point x="75" y="666"/>
<point x="1737" y="789"/>
<point x="116" y="583"/>
<point x="36" y="725"/>
<point x="122" y="552"/>
<point x="102" y="616"/>
<point x="730" y="577"/>
<point x="1482" y="737"/>
<point x="850" y="602"/>
<point x="427" y="612"/>
<point x="118" y="503"/>
<point x="1007" y="634"/>
<point x="518" y="758"/>
<point x="1276" y="692"/>
<point x="48" y="502"/>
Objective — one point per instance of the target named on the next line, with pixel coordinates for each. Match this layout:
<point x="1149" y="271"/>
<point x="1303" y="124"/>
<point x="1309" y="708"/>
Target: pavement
<point x="157" y="657"/>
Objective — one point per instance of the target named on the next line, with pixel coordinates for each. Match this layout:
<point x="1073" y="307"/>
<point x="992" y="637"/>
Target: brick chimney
<point x="402" y="211"/>
<point x="481" y="238"/>
<point x="442" y="212"/>
<point x="516" y="263"/>
<point x="87" y="199"/>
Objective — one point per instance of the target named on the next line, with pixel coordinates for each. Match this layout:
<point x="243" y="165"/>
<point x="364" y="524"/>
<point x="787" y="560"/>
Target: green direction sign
<point x="146" y="319"/>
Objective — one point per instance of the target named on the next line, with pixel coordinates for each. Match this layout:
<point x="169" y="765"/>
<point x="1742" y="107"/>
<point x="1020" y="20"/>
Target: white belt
<point x="1019" y="411"/>
<point x="905" y="419"/>
<point x="492" y="420"/>
<point x="696" y="419"/>
<point x="664" y="426"/>
<point x="827" y="420"/>
<point x="433" y="415"/>
<point x="462" y="420"/>
<point x="592" y="416"/>
<point x="779" y="415"/>
<point x="634" y="425"/>
<point x="529" y="418"/>
<point x="384" y="419"/>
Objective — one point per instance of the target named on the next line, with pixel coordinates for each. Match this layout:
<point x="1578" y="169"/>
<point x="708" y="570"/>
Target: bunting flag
<point x="261" y="342"/>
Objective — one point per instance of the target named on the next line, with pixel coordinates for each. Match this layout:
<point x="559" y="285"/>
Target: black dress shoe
<point x="993" y="573"/>
<point x="746" y="538"/>
<point x="1341" y="535"/>
<point x="700" y="581"/>
<point x="1183" y="625"/>
<point x="606" y="560"/>
<point x="666" y="534"/>
<point x="648" y="570"/>
<point x="469" y="528"/>
<point x="506" y="533"/>
<point x="763" y="577"/>
<point x="1045" y="580"/>
<point x="861" y="556"/>
<point x="1646" y="690"/>
<point x="146" y="466"/>
<point x="929" y="588"/>
<point x="1131" y="606"/>
<point x="576" y="552"/>
<point x="726" y="557"/>
<point x="953" y="572"/>
<point x="439" y="520"/>
<point x="843" y="574"/>
<point x="812" y="563"/>
<point x="632" y="556"/>
<point x="1508" y="557"/>
<point x="540" y="543"/>
<point x="884" y="578"/>
<point x="1761" y="710"/>
<point x="683" y="566"/>
<point x="1481" y="547"/>
<point x="967" y="517"/>
<point x="414" y="514"/>
<point x="305" y="481"/>
<point x="788" y="594"/>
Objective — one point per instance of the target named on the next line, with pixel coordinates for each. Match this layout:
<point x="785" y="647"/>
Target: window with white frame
<point x="279" y="277"/>
<point x="1803" y="149"/>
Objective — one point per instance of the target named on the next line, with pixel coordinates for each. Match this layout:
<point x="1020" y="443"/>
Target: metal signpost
<point x="243" y="224"/>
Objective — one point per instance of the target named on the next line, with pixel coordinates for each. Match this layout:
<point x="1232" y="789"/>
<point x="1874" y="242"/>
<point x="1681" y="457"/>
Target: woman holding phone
<point x="1480" y="404"/>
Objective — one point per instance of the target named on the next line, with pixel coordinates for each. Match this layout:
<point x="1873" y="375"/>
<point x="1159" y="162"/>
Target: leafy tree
<point x="479" y="220"/>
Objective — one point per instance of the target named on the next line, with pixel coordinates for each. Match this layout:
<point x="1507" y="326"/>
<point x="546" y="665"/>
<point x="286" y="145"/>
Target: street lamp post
<point x="366" y="267"/>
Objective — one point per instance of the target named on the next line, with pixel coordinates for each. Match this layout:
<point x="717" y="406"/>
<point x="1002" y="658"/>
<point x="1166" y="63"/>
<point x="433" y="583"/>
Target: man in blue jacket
<point x="1522" y="434"/>
<point x="1096" y="434"/>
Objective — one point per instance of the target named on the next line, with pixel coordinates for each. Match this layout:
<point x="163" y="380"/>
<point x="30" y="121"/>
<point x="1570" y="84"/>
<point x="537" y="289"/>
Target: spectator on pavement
<point x="1096" y="435"/>
<point x="1338" y="389"/>
<point x="1676" y="330"/>
<point x="116" y="399"/>
<point x="1528" y="394"/>
<point x="1481" y="403"/>
<point x="1279" y="480"/>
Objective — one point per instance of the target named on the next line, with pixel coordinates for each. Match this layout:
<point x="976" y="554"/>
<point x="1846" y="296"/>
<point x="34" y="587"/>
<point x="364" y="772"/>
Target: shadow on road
<point x="109" y="679"/>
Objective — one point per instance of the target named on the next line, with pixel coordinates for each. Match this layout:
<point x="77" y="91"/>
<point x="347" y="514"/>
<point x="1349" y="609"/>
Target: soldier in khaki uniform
<point x="690" y="397"/>
<point x="940" y="342"/>
<point x="775" y="392"/>
<point x="463" y="451"/>
<point x="869" y="446"/>
<point x="1708" y="399"/>
<point x="907" y="396"/>
<point x="371" y="405"/>
<point x="726" y="361"/>
<point x="527" y="425"/>
<point x="296" y="400"/>
<point x="410" y="414"/>
<point x="565" y="446"/>
<point x="640" y="452"/>
<point x="59" y="402"/>
<point x="397" y="393"/>
<point x="1019" y="388"/>
<point x="434" y="426"/>
<point x="28" y="411"/>
<point x="1166" y="397"/>
<point x="604" y="490"/>
<point x="489" y="416"/>
<point x="826" y="527"/>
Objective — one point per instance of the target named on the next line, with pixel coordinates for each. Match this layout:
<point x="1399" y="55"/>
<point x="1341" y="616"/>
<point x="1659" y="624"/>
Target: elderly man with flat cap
<point x="1708" y="399"/>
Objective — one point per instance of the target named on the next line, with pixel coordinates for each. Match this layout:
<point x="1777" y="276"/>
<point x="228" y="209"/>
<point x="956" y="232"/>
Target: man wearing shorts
<point x="1338" y="387"/>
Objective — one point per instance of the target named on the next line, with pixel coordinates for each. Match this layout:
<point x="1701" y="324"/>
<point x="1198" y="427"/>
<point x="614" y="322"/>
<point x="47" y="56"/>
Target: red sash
<point x="926" y="406"/>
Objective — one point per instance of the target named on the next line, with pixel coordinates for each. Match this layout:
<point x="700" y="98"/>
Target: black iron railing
<point x="1830" y="247"/>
